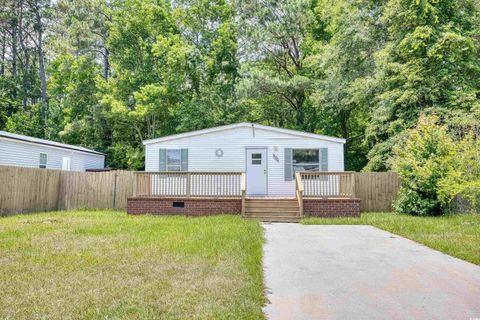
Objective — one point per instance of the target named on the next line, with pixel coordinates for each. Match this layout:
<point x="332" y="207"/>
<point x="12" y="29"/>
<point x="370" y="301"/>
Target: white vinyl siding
<point x="233" y="142"/>
<point x="24" y="154"/>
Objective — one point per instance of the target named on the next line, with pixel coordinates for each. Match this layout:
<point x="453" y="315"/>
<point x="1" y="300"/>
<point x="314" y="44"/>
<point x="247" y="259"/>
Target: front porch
<point x="322" y="194"/>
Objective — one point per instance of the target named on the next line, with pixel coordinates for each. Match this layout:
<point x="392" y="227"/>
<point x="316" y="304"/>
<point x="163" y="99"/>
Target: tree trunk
<point x="41" y="59"/>
<point x="106" y="64"/>
<point x="344" y="130"/>
<point x="25" y="62"/>
<point x="14" y="47"/>
<point x="2" y="67"/>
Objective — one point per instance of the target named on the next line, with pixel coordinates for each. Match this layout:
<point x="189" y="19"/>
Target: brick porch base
<point x="312" y="207"/>
<point x="331" y="207"/>
<point x="191" y="206"/>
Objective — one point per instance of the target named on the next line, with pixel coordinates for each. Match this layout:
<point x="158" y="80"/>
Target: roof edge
<point x="244" y="124"/>
<point x="48" y="143"/>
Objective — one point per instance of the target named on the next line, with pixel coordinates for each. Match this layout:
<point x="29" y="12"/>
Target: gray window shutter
<point x="162" y="160"/>
<point x="324" y="159"/>
<point x="288" y="164"/>
<point x="184" y="160"/>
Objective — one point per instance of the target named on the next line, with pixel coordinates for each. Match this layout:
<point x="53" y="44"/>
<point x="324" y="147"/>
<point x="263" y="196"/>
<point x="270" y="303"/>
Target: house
<point x="261" y="172"/>
<point x="25" y="151"/>
<point x="269" y="156"/>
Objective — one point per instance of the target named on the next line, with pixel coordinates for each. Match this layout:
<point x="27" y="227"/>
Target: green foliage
<point x="463" y="178"/>
<point x="423" y="159"/>
<point x="430" y="61"/>
<point x="26" y="122"/>
<point x="342" y="66"/>
<point x="75" y="108"/>
<point x="122" y="71"/>
<point x="435" y="169"/>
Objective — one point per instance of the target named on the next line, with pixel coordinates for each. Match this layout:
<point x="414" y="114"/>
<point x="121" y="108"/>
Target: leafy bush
<point x="435" y="169"/>
<point x="422" y="160"/>
<point x="463" y="179"/>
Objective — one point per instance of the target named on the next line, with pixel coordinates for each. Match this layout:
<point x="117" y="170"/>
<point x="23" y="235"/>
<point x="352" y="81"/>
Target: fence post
<point x="115" y="190"/>
<point x="353" y="177"/>
<point x="135" y="175"/>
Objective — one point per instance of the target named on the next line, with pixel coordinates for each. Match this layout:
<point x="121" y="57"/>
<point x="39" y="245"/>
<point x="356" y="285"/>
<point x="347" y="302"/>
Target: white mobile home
<point x="269" y="156"/>
<point x="25" y="151"/>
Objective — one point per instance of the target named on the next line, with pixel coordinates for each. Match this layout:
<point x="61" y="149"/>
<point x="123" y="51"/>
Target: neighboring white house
<point x="25" y="151"/>
<point x="269" y="156"/>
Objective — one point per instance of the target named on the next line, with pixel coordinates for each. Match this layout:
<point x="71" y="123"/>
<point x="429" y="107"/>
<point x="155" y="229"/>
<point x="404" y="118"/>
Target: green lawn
<point x="457" y="235"/>
<point x="107" y="265"/>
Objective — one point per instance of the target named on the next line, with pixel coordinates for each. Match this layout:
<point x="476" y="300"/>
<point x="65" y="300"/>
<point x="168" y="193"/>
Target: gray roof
<point x="20" y="137"/>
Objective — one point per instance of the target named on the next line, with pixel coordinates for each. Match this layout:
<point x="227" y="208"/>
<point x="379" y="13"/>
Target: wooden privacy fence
<point x="377" y="190"/>
<point x="108" y="190"/>
<point x="24" y="190"/>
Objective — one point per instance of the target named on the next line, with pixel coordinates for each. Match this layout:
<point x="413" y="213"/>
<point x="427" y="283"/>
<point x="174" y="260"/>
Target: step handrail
<point x="299" y="192"/>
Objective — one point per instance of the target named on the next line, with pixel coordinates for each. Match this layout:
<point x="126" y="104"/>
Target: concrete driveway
<point x="361" y="272"/>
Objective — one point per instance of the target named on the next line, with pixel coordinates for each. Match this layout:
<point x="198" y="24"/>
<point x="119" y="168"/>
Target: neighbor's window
<point x="174" y="160"/>
<point x="43" y="160"/>
<point x="305" y="160"/>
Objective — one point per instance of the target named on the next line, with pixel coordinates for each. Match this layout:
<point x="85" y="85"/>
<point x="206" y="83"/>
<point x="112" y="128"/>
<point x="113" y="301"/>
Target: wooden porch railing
<point x="190" y="184"/>
<point x="299" y="192"/>
<point x="328" y="184"/>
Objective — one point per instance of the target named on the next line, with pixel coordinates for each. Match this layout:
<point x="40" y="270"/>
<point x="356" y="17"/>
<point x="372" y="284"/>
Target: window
<point x="256" y="158"/>
<point x="43" y="161"/>
<point x="66" y="163"/>
<point x="305" y="160"/>
<point x="174" y="160"/>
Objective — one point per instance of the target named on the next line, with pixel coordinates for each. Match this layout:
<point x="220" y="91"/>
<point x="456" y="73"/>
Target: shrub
<point x="423" y="159"/>
<point x="463" y="179"/>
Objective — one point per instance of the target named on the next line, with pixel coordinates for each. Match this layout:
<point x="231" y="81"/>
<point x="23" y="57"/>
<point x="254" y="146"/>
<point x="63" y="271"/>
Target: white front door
<point x="66" y="163"/>
<point x="256" y="171"/>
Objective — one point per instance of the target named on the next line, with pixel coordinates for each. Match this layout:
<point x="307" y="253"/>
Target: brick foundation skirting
<point x="331" y="207"/>
<point x="191" y="206"/>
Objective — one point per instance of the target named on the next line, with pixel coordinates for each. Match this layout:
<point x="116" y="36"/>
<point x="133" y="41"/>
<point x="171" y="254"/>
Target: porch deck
<point x="205" y="193"/>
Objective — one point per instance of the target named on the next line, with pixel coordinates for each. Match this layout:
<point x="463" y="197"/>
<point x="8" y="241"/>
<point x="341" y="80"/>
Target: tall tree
<point x="81" y="29"/>
<point x="431" y="62"/>
<point x="273" y="44"/>
<point x="208" y="29"/>
<point x="340" y="68"/>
